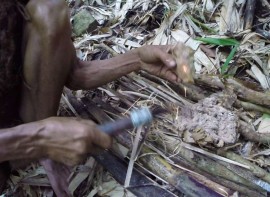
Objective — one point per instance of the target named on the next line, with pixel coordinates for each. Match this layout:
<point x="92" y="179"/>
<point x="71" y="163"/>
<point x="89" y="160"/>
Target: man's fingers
<point x="102" y="139"/>
<point x="95" y="150"/>
<point x="95" y="136"/>
<point x="166" y="48"/>
<point x="169" y="75"/>
<point x="166" y="58"/>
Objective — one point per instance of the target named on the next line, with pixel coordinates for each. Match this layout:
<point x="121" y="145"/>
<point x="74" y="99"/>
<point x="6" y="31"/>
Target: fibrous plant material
<point x="208" y="122"/>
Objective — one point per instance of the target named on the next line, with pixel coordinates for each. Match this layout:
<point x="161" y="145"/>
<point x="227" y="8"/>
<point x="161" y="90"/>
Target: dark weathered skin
<point x="49" y="63"/>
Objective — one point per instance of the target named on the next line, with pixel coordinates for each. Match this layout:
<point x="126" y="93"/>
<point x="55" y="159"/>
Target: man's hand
<point x="68" y="140"/>
<point x="157" y="61"/>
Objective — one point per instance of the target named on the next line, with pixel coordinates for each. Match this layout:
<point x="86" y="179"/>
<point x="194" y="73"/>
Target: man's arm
<point x="154" y="59"/>
<point x="66" y="140"/>
<point x="21" y="142"/>
<point x="91" y="74"/>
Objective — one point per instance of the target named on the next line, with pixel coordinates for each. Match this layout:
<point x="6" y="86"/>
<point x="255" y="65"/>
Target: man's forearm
<point x="92" y="74"/>
<point x="21" y="142"/>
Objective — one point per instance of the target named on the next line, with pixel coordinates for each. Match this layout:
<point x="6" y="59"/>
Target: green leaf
<point x="225" y="66"/>
<point x="223" y="42"/>
<point x="266" y="116"/>
<point x="202" y="25"/>
<point x="219" y="41"/>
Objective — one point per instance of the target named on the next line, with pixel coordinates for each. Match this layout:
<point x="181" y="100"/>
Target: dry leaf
<point x="264" y="126"/>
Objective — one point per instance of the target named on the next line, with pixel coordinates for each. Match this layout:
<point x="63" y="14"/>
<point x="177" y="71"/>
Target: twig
<point x="227" y="183"/>
<point x="193" y="148"/>
<point x="265" y="2"/>
<point x="253" y="107"/>
<point x="133" y="157"/>
<point x="249" y="14"/>
<point x="178" y="97"/>
<point x="206" y="164"/>
<point x="239" y="89"/>
<point x="256" y="170"/>
<point x="193" y="92"/>
<point x="159" y="92"/>
<point x="117" y="6"/>
<point x="248" y="132"/>
<point x="107" y="48"/>
<point x="248" y="176"/>
<point x="69" y="105"/>
<point x="176" y="177"/>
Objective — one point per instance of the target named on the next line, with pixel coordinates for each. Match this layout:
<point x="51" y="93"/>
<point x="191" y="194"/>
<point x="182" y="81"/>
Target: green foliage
<point x="225" y="66"/>
<point x="219" y="41"/>
<point x="211" y="30"/>
<point x="266" y="116"/>
<point x="223" y="42"/>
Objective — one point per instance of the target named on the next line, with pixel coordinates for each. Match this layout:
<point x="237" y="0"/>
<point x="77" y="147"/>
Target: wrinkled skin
<point x="49" y="64"/>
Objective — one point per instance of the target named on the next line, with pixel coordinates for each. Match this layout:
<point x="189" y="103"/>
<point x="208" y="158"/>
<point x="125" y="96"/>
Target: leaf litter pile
<point x="214" y="139"/>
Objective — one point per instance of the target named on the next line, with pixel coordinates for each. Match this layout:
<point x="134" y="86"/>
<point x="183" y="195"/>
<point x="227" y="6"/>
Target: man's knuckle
<point x="72" y="162"/>
<point x="73" y="157"/>
<point x="79" y="147"/>
<point x="83" y="148"/>
<point x="83" y="131"/>
<point x="77" y="159"/>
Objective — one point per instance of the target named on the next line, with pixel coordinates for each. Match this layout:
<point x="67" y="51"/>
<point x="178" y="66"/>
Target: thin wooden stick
<point x="133" y="156"/>
<point x="249" y="13"/>
<point x="265" y="2"/>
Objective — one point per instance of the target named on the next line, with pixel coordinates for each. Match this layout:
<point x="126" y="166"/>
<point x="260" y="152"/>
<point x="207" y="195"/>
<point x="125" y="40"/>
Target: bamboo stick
<point x="239" y="89"/>
<point x="256" y="170"/>
<point x="249" y="14"/>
